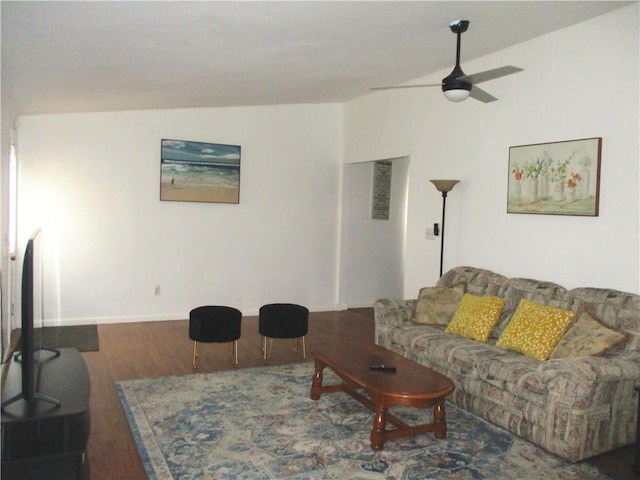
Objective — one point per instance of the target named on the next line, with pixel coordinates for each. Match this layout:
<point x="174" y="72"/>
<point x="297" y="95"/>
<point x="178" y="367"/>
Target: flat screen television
<point x="32" y="352"/>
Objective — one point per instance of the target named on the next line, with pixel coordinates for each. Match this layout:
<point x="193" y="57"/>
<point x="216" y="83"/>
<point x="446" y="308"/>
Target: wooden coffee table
<point x="412" y="384"/>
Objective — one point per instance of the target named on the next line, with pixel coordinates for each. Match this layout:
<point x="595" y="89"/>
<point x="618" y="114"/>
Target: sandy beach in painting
<point x="185" y="193"/>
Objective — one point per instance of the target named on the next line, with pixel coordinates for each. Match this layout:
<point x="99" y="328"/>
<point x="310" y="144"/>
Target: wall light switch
<point x="428" y="234"/>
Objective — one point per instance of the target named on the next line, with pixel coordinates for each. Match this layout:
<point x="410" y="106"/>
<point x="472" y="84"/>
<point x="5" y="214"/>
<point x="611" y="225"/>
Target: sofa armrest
<point x="584" y="381"/>
<point x="388" y="311"/>
<point x="389" y="314"/>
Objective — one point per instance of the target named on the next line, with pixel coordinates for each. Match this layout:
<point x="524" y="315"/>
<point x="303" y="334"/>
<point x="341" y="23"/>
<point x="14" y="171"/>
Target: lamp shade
<point x="444" y="185"/>
<point x="456" y="95"/>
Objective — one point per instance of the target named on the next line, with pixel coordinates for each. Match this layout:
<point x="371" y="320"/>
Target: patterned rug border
<point x="137" y="437"/>
<point x="471" y="458"/>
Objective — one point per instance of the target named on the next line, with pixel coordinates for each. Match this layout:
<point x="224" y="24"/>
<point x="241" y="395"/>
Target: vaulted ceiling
<point x="60" y="56"/>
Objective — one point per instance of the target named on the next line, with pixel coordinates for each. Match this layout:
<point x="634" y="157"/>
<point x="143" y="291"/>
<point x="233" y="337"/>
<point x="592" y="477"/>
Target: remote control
<point x="383" y="368"/>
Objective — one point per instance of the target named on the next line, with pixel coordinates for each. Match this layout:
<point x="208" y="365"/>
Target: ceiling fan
<point x="457" y="86"/>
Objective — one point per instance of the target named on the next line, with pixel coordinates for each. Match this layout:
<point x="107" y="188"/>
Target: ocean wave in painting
<point x="200" y="175"/>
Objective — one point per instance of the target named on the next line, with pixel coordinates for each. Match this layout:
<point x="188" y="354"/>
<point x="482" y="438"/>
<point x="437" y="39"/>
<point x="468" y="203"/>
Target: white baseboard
<point x="359" y="305"/>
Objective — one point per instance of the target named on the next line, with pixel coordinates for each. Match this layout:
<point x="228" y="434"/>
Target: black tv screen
<point x="29" y="356"/>
<point x="27" y="348"/>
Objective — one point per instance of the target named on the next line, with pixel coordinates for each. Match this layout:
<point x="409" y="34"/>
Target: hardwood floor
<point x="155" y="349"/>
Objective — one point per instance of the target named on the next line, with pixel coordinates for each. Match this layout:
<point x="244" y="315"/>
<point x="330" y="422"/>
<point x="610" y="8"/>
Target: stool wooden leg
<point x="300" y="347"/>
<point x="269" y="349"/>
<point x="235" y="353"/>
<point x="197" y="353"/>
<point x="267" y="346"/>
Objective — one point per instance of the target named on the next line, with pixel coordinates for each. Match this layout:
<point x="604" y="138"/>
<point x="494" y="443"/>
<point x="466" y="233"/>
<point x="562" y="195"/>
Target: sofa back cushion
<point x="514" y="290"/>
<point x="615" y="309"/>
<point x="587" y="336"/>
<point x="436" y="305"/>
<point x="478" y="281"/>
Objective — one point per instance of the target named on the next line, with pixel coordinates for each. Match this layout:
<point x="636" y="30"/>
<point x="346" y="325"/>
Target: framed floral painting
<point x="558" y="178"/>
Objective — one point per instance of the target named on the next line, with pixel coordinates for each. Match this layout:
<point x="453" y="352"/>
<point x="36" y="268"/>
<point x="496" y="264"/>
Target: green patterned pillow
<point x="587" y="336"/>
<point x="476" y="317"/>
<point x="436" y="305"/>
<point x="535" y="329"/>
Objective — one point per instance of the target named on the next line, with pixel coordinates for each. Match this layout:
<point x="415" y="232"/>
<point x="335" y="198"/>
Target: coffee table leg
<point x="316" y="383"/>
<point x="379" y="427"/>
<point x="439" y="420"/>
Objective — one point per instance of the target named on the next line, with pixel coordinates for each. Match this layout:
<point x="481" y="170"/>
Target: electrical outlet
<point x="156" y="290"/>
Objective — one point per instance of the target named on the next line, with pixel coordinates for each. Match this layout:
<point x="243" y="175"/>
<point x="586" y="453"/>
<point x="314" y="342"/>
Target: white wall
<point x="7" y="113"/>
<point x="91" y="181"/>
<point x="372" y="250"/>
<point x="579" y="82"/>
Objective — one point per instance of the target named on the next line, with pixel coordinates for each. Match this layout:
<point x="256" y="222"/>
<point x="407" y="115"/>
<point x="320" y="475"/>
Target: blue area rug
<point x="260" y="423"/>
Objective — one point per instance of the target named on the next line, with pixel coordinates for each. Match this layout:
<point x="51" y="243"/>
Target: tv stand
<point x="41" y="439"/>
<point x="37" y="395"/>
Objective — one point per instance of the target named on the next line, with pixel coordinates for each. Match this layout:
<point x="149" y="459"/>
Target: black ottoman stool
<point x="214" y="323"/>
<point x="283" y="320"/>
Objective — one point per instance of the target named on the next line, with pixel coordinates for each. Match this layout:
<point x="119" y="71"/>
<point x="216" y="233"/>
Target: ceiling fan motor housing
<point x="455" y="81"/>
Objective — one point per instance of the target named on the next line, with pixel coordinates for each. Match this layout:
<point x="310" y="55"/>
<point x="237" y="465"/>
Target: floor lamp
<point x="444" y="186"/>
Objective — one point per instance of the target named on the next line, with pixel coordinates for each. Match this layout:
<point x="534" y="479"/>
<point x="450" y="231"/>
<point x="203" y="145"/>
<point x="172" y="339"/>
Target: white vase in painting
<point x="583" y="186"/>
<point x="543" y="187"/>
<point x="558" y="191"/>
<point x="533" y="190"/>
<point x="571" y="194"/>
<point x="516" y="190"/>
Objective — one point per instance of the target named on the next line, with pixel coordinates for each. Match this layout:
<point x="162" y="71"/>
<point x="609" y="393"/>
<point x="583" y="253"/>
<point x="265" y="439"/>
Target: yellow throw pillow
<point x="476" y="317"/>
<point x="436" y="305"/>
<point x="587" y="336"/>
<point x="535" y="329"/>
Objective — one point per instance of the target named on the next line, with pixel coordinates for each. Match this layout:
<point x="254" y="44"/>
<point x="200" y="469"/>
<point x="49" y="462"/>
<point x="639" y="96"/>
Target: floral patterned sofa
<point x="575" y="407"/>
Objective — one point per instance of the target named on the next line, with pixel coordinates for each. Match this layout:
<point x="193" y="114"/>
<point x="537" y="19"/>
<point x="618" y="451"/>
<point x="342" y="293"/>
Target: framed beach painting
<point x="199" y="172"/>
<point x="558" y="178"/>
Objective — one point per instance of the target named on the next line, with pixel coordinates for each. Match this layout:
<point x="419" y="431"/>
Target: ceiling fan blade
<point x="407" y="86"/>
<point x="491" y="74"/>
<point x="479" y="94"/>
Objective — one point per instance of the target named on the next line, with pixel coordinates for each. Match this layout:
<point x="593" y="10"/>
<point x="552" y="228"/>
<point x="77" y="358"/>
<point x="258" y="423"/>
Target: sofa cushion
<point x="476" y="317"/>
<point x="615" y="309"/>
<point x="535" y="329"/>
<point x="515" y="289"/>
<point x="450" y="354"/>
<point x="515" y="373"/>
<point x="436" y="305"/>
<point x="587" y="336"/>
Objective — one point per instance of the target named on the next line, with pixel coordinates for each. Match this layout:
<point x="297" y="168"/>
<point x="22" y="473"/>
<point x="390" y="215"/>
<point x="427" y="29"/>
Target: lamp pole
<point x="444" y="203"/>
<point x="444" y="186"/>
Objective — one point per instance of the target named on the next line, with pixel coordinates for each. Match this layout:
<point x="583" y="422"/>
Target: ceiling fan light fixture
<point x="457" y="94"/>
<point x="455" y="87"/>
